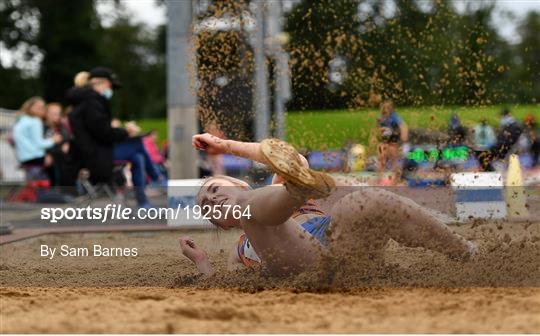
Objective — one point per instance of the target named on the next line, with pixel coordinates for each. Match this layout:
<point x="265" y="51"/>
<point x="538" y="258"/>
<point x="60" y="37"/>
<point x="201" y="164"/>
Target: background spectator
<point x="56" y="124"/>
<point x="28" y="133"/>
<point x="484" y="136"/>
<point x="456" y="131"/>
<point x="97" y="144"/>
<point x="91" y="124"/>
<point x="150" y="144"/>
<point x="532" y="133"/>
<point x="393" y="132"/>
<point x="509" y="133"/>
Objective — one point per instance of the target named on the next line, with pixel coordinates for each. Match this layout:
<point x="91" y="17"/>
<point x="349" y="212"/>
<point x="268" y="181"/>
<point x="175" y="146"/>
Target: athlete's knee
<point x="357" y="205"/>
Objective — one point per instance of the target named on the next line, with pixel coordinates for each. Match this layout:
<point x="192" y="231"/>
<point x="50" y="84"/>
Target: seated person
<point x="55" y="124"/>
<point x="150" y="143"/>
<point x="28" y="134"/>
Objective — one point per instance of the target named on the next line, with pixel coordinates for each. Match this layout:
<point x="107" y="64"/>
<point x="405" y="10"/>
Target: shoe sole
<point x="285" y="161"/>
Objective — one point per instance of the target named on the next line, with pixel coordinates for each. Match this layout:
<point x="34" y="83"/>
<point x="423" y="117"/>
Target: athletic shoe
<point x="300" y="180"/>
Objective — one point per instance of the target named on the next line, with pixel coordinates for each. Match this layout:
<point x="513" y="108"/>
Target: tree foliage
<point x="67" y="37"/>
<point x="347" y="53"/>
<point x="135" y="55"/>
<point x="422" y="53"/>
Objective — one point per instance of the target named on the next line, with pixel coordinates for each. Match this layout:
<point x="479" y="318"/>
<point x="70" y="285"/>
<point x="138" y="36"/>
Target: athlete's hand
<point x="209" y="143"/>
<point x="191" y="250"/>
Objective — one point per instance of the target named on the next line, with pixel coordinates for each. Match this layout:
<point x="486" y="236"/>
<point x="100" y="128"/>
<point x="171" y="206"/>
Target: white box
<point x="182" y="193"/>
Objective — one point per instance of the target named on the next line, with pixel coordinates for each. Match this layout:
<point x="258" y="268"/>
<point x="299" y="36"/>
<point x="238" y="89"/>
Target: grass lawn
<point x="333" y="128"/>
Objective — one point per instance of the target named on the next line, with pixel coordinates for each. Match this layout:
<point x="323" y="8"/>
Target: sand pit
<point x="160" y="310"/>
<point x="159" y="292"/>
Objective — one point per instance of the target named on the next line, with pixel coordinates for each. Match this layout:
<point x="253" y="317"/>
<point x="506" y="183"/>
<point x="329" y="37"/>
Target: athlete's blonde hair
<point x="233" y="180"/>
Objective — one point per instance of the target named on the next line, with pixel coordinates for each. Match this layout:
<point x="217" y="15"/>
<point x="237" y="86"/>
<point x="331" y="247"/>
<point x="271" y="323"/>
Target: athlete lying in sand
<point x="284" y="217"/>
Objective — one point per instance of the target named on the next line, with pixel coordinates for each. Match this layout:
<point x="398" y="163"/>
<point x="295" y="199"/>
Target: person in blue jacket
<point x="30" y="144"/>
<point x="393" y="133"/>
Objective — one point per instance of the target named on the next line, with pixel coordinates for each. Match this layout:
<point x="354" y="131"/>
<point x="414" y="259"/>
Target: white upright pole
<point x="262" y="117"/>
<point x="181" y="97"/>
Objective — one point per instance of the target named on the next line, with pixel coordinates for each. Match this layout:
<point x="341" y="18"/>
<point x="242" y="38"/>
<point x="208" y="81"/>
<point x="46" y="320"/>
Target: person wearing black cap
<point x="96" y="143"/>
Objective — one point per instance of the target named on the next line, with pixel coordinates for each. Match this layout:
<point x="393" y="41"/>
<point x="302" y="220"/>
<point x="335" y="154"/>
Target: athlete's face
<point x="219" y="195"/>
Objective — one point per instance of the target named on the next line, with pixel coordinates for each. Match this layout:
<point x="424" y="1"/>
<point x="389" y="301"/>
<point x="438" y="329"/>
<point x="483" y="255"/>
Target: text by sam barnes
<point x="94" y="251"/>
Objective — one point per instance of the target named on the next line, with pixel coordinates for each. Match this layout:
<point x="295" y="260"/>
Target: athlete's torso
<point x="311" y="216"/>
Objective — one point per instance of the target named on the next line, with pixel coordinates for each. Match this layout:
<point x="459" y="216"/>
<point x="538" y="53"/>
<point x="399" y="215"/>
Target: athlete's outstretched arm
<point x="196" y="254"/>
<point x="215" y="145"/>
<point x="249" y="150"/>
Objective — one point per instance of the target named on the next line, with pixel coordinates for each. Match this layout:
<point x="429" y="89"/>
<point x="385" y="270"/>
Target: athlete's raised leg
<point x="365" y="220"/>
